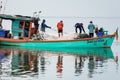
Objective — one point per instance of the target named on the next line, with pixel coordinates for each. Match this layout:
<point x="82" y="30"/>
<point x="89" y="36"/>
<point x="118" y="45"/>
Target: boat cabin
<point x="22" y="26"/>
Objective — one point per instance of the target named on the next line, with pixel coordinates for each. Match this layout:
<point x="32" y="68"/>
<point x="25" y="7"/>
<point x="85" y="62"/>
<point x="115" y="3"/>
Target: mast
<point x="5" y="6"/>
<point x="0" y="6"/>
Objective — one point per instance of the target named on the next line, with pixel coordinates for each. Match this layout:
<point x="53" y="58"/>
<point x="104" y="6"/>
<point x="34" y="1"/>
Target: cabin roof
<point x="16" y="17"/>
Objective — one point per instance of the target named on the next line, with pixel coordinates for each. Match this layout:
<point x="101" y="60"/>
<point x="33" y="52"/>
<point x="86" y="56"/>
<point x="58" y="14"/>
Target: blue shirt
<point x="100" y="34"/>
<point x="43" y="26"/>
<point x="91" y="28"/>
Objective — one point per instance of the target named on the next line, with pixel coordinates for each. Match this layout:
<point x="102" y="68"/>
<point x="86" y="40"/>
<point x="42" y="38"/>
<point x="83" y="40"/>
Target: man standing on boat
<point x="91" y="28"/>
<point x="43" y="26"/>
<point x="80" y="27"/>
<point x="60" y="28"/>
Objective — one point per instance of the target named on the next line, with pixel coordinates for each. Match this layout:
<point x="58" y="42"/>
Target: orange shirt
<point x="60" y="26"/>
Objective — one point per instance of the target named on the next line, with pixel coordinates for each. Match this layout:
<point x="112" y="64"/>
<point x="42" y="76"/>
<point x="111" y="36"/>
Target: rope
<point x="57" y="30"/>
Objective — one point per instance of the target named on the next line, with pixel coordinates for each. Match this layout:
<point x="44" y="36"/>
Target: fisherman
<point x="100" y="32"/>
<point x="96" y="30"/>
<point x="60" y="28"/>
<point x="43" y="26"/>
<point x="80" y="27"/>
<point x="27" y="24"/>
<point x="91" y="28"/>
<point x="36" y="24"/>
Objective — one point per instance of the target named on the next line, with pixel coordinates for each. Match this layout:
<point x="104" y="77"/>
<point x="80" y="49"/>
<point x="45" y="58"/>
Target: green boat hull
<point x="94" y="42"/>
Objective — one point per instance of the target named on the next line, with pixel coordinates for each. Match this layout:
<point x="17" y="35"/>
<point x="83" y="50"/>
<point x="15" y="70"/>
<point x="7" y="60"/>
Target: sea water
<point x="64" y="64"/>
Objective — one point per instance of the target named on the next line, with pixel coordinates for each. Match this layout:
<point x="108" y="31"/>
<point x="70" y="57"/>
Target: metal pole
<point x="0" y="6"/>
<point x="5" y="6"/>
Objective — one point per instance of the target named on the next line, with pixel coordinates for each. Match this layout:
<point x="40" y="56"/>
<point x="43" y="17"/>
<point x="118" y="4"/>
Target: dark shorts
<point x="60" y="31"/>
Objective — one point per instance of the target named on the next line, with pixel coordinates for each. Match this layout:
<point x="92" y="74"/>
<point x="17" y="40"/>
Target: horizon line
<point x="77" y="17"/>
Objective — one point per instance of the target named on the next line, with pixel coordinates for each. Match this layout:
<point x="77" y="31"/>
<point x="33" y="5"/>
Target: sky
<point x="65" y="8"/>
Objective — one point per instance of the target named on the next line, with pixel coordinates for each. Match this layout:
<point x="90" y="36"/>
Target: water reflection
<point x="5" y="62"/>
<point x="42" y="63"/>
<point x="23" y="62"/>
<point x="60" y="65"/>
<point x="79" y="64"/>
<point x="95" y="59"/>
<point x="116" y="60"/>
<point x="91" y="66"/>
<point x="34" y="63"/>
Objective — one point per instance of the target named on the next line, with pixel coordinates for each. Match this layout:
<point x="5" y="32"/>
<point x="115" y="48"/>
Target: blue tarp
<point x="3" y="32"/>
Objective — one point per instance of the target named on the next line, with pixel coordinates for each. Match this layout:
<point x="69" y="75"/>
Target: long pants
<point x="79" y="29"/>
<point x="91" y="35"/>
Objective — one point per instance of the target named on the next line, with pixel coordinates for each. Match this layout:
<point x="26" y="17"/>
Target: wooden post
<point x="30" y="30"/>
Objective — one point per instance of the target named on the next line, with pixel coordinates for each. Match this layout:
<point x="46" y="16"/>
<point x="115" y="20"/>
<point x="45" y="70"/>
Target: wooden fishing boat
<point x="86" y="42"/>
<point x="19" y="37"/>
